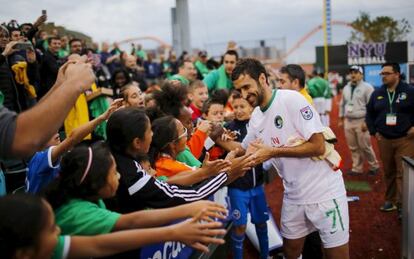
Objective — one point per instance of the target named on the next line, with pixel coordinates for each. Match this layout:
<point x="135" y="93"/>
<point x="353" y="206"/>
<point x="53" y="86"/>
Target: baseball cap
<point x="356" y="68"/>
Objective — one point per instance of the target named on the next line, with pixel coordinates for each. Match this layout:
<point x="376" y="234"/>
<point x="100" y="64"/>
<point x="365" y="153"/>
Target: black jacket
<point x="403" y="106"/>
<point x="48" y="72"/>
<point x="15" y="95"/>
<point x="138" y="190"/>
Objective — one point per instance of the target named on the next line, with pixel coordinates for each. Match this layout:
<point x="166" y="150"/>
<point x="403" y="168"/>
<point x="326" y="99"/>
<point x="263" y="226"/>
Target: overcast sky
<point x="212" y="21"/>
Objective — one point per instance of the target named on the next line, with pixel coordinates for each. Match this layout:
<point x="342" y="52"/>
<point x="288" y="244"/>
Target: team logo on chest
<point x="402" y="96"/>
<point x="307" y="113"/>
<point x="278" y="122"/>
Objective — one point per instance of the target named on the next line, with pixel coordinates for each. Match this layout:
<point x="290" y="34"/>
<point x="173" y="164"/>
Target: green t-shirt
<point x="188" y="158"/>
<point x="62" y="248"/>
<point x="142" y="54"/>
<point x="318" y="87"/>
<point x="202" y="68"/>
<point x="64" y="51"/>
<point x="180" y="78"/>
<point x="81" y="217"/>
<point x="218" y="79"/>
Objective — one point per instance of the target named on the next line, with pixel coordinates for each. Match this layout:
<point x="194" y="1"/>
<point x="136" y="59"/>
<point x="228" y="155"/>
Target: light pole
<point x="180" y="26"/>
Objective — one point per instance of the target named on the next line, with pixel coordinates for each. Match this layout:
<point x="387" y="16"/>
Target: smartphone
<point x="23" y="45"/>
<point x="44" y="12"/>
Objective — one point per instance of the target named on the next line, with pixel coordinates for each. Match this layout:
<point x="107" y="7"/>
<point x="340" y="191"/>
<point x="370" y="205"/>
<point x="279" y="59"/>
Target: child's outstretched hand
<point x="196" y="234"/>
<point x="115" y="105"/>
<point x="212" y="210"/>
<point x="229" y="135"/>
<point x="204" y="126"/>
<point x="214" y="167"/>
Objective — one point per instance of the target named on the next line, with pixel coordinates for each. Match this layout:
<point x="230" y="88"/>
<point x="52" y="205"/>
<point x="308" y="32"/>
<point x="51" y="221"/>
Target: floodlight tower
<point x="180" y="21"/>
<point x="327" y="34"/>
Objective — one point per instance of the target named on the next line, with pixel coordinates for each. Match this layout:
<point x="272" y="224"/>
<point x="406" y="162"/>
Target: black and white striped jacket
<point x="138" y="190"/>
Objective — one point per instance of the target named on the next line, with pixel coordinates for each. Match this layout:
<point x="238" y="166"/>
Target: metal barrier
<point x="407" y="248"/>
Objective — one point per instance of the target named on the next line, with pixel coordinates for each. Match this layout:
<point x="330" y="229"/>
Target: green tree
<point x="379" y="29"/>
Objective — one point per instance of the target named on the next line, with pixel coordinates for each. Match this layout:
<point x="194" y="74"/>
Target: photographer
<point x="18" y="72"/>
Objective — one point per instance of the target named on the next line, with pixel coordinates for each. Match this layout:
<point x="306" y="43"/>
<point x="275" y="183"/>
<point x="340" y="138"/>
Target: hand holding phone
<point x="40" y="20"/>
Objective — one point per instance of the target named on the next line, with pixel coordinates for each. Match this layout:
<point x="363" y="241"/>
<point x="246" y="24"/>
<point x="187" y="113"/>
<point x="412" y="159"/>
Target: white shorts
<point x="328" y="103"/>
<point x="329" y="218"/>
<point x="320" y="105"/>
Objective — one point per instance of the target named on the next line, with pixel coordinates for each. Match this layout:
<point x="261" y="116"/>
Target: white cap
<point x="356" y="68"/>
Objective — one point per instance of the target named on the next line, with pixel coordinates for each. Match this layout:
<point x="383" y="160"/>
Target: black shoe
<point x="373" y="172"/>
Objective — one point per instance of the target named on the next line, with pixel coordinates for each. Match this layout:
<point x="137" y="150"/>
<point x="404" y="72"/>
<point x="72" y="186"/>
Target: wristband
<point x="209" y="143"/>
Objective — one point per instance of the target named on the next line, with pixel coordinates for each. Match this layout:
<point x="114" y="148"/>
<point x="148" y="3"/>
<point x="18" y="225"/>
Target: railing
<point x="407" y="248"/>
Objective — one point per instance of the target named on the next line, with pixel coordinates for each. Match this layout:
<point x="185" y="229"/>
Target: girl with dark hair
<point x="88" y="175"/>
<point x="169" y="140"/>
<point x="129" y="135"/>
<point x="120" y="78"/>
<point x="28" y="230"/>
<point x="171" y="101"/>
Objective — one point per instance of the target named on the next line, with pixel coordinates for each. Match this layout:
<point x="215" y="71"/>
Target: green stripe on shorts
<point x="339" y="214"/>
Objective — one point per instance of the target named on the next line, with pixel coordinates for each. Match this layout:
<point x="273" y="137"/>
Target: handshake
<point x="216" y="131"/>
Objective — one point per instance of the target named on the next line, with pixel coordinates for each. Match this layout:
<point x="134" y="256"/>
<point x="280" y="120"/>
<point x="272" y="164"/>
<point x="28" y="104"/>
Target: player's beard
<point x="252" y="100"/>
<point x="256" y="99"/>
<point x="260" y="95"/>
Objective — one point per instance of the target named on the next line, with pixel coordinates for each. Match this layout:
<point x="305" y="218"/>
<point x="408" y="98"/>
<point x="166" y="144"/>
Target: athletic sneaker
<point x="388" y="206"/>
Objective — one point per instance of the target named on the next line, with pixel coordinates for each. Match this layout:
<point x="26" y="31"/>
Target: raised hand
<point x="229" y="135"/>
<point x="8" y="50"/>
<point x="212" y="210"/>
<point x="80" y="71"/>
<point x="214" y="167"/>
<point x="253" y="148"/>
<point x="72" y="59"/>
<point x="196" y="234"/>
<point x="240" y="165"/>
<point x="115" y="105"/>
<point x="204" y="126"/>
<point x="216" y="131"/>
<point x="40" y="21"/>
<point x="262" y="152"/>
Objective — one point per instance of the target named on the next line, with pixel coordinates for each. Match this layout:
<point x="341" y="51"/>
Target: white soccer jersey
<point x="291" y="118"/>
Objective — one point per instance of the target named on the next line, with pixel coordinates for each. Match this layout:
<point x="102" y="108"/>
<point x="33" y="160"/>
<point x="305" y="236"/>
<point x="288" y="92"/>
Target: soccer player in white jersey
<point x="286" y="131"/>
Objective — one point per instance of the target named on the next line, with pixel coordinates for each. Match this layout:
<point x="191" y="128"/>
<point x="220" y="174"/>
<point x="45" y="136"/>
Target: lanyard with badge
<point x="391" y="117"/>
<point x="350" y="105"/>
